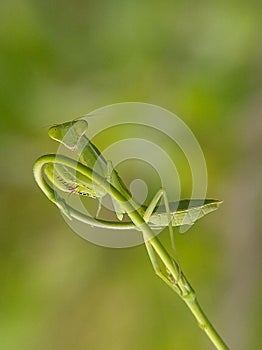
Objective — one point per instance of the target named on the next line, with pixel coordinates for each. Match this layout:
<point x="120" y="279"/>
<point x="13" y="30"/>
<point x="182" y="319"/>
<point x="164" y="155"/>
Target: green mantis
<point x="72" y="136"/>
<point x="63" y="176"/>
<point x="95" y="177"/>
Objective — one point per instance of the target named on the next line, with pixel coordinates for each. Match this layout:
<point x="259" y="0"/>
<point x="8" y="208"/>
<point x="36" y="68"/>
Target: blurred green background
<point x="60" y="60"/>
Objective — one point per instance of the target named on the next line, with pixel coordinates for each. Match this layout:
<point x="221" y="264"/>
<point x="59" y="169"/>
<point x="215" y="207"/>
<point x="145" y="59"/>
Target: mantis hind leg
<point x="150" y="209"/>
<point x="118" y="209"/>
<point x="166" y="278"/>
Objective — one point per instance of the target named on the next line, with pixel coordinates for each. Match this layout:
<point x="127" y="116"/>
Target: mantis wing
<point x="184" y="212"/>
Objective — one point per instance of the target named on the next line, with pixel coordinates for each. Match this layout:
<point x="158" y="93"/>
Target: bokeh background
<point x="62" y="59"/>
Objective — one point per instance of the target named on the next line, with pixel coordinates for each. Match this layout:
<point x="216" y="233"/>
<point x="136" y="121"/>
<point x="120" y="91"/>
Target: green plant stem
<point x="205" y="324"/>
<point x="176" y="279"/>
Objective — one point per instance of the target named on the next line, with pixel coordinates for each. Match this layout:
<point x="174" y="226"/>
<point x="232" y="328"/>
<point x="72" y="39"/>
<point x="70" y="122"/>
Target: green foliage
<point x="201" y="60"/>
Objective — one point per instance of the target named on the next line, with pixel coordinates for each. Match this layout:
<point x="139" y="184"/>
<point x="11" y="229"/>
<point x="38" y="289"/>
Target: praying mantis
<point x="65" y="177"/>
<point x="95" y="177"/>
<point x="72" y="136"/>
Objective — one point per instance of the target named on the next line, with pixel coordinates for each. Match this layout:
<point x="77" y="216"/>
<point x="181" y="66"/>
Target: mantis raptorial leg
<point x="72" y="136"/>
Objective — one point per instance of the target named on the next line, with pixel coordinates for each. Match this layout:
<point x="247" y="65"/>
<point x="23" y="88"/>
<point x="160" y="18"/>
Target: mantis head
<point x="68" y="133"/>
